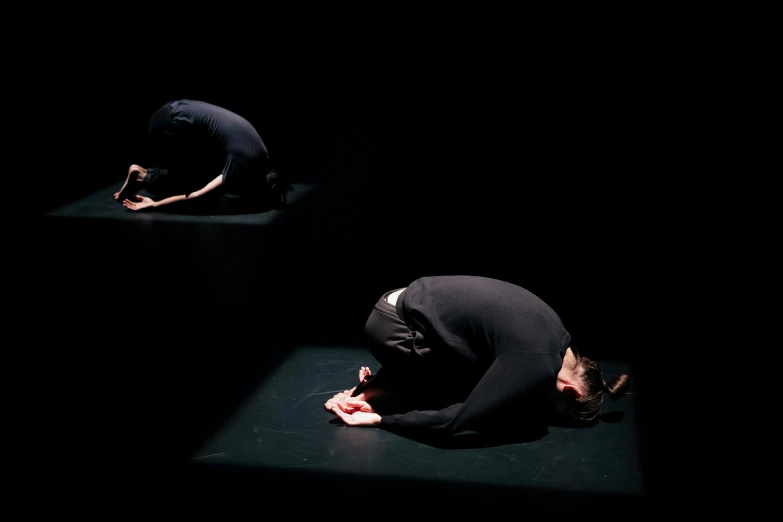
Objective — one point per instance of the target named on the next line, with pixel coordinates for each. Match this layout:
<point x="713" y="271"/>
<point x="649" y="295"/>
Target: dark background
<point x="531" y="163"/>
<point x="540" y="169"/>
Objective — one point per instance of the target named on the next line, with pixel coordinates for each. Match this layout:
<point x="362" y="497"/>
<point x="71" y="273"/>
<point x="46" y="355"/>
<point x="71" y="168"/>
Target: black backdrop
<point x="538" y="167"/>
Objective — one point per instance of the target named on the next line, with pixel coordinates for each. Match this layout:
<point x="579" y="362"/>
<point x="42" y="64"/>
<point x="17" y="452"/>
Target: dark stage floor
<point x="282" y="426"/>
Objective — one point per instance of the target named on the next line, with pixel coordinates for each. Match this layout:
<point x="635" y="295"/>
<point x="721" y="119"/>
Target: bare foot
<point x="131" y="185"/>
<point x="364" y="374"/>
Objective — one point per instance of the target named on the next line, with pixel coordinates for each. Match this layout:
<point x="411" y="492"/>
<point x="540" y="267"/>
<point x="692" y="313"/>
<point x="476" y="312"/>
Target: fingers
<point x="331" y="405"/>
<point x="354" y="405"/>
<point x="338" y="405"/>
<point x="345" y="404"/>
<point x="334" y="400"/>
<point x="348" y="408"/>
<point x="346" y="418"/>
<point x="139" y="198"/>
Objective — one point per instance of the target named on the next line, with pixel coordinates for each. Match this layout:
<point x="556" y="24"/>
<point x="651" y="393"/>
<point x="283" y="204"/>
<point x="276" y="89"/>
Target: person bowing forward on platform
<point x="202" y="152"/>
<point x="469" y="353"/>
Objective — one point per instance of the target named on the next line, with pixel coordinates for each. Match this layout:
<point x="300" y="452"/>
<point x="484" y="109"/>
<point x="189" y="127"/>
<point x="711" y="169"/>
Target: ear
<point x="570" y="388"/>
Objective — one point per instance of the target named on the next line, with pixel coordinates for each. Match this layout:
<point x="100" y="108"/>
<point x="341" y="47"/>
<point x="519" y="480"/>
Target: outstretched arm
<point x="142" y="202"/>
<point x="510" y="378"/>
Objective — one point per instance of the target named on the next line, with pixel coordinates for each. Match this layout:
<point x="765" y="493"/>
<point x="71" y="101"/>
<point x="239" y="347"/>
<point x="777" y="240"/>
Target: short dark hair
<point x="585" y="409"/>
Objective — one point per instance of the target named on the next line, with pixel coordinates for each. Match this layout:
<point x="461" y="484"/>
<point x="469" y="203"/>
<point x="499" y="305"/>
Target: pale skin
<point x="355" y="411"/>
<point x="136" y="175"/>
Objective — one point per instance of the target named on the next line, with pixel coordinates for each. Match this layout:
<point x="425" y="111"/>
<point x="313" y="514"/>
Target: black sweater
<point x="492" y="323"/>
<point x="232" y="138"/>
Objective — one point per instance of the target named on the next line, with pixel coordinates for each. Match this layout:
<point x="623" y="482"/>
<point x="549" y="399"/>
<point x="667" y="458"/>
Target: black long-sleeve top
<point x="228" y="138"/>
<point x="489" y="322"/>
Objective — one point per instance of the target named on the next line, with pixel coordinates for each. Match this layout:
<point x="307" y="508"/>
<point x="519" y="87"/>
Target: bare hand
<point x="354" y="414"/>
<point x="344" y="396"/>
<point x="340" y="397"/>
<point x="140" y="204"/>
<point x="352" y="405"/>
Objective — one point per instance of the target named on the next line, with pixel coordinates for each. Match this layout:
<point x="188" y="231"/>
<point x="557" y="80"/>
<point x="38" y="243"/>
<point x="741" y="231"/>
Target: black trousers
<point x="416" y="372"/>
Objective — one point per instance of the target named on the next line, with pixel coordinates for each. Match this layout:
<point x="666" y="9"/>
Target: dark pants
<point x="416" y="372"/>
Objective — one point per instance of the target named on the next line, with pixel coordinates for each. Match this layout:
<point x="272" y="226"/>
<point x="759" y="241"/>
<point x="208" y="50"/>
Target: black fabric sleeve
<point x="510" y="380"/>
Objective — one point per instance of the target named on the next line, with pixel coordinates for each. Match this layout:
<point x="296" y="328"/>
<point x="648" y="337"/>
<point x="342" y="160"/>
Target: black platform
<point x="200" y="366"/>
